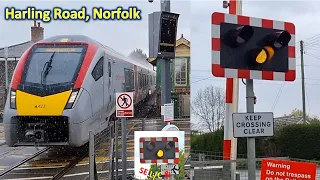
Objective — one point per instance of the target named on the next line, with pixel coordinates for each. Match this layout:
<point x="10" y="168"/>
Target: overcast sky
<point x="123" y="36"/>
<point x="302" y="14"/>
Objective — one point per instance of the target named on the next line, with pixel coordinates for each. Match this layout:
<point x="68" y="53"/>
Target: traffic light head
<point x="252" y="48"/>
<point x="238" y="36"/>
<point x="159" y="149"/>
<point x="162" y="34"/>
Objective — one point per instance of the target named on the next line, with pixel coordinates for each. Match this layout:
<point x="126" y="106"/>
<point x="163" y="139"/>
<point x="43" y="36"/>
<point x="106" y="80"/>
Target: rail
<point x="24" y="161"/>
<point x="69" y="166"/>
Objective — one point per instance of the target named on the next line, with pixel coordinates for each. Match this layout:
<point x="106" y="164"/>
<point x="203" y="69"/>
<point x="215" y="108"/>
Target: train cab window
<point x="97" y="71"/>
<point x="61" y="64"/>
<point x="109" y="68"/>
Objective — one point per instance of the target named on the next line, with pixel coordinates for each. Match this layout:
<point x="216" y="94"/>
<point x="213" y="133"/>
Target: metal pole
<point x="124" y="148"/>
<point x="110" y="160"/>
<point x="251" y="146"/>
<point x="116" y="148"/>
<point x="6" y="55"/>
<point x="165" y="70"/>
<point x="91" y="155"/>
<point x="303" y="86"/>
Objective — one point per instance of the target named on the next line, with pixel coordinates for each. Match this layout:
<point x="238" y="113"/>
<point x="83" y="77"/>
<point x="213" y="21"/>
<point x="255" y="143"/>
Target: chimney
<point x="36" y="32"/>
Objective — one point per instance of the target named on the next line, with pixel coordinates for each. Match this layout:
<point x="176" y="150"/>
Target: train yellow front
<point x="65" y="86"/>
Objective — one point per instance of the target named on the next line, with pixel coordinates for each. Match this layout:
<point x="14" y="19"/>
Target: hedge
<point x="296" y="141"/>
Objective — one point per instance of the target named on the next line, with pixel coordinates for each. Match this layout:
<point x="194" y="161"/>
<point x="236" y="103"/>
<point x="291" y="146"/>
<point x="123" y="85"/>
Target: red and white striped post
<point x="232" y="94"/>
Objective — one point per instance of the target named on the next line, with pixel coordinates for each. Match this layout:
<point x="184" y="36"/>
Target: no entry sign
<point x="272" y="169"/>
<point x="124" y="104"/>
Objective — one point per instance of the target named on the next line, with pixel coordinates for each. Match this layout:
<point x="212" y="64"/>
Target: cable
<point x="277" y="98"/>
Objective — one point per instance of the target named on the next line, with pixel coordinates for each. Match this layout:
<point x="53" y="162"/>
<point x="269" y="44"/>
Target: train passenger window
<point x="109" y="69"/>
<point x="97" y="71"/>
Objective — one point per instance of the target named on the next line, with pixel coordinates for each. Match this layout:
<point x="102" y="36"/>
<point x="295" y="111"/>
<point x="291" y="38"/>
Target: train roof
<point x="81" y="38"/>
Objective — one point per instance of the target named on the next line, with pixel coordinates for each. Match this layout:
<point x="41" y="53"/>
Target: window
<point x="63" y="63"/>
<point x="180" y="71"/>
<point x="140" y="80"/>
<point x="97" y="71"/>
<point x="129" y="78"/>
<point x="109" y="68"/>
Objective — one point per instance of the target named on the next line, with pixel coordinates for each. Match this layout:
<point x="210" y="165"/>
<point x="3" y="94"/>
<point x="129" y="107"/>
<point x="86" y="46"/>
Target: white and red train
<point x="65" y="86"/>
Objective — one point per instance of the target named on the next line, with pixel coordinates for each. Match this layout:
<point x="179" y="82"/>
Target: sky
<point x="138" y="134"/>
<point x="272" y="96"/>
<point x="122" y="36"/>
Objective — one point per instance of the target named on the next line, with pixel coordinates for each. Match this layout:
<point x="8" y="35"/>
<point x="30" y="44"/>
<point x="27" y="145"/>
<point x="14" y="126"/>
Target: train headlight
<point x="13" y="99"/>
<point x="72" y="99"/>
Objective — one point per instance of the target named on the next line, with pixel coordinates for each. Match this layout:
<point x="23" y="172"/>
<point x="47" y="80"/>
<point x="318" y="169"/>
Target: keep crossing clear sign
<point x="260" y="124"/>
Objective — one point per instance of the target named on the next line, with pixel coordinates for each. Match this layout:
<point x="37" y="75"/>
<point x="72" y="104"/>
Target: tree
<point x="209" y="106"/>
<point x="138" y="55"/>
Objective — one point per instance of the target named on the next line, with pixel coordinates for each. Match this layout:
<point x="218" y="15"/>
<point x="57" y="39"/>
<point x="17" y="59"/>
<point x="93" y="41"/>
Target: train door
<point x="109" y="85"/>
<point x="97" y="86"/>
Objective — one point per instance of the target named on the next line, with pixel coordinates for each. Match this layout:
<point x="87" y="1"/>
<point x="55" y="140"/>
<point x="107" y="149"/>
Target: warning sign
<point x="272" y="169"/>
<point x="124" y="104"/>
<point x="253" y="124"/>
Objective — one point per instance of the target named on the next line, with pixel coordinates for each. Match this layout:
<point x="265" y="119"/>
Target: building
<point x="181" y="78"/>
<point x="14" y="54"/>
<point x="288" y="120"/>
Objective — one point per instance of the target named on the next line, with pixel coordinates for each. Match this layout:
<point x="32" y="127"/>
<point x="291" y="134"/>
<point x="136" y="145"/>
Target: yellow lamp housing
<point x="160" y="153"/>
<point x="261" y="55"/>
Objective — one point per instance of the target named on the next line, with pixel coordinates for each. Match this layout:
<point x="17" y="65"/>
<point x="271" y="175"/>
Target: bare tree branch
<point x="209" y="106"/>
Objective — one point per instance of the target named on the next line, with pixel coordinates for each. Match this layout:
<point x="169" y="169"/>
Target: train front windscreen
<point x="49" y="65"/>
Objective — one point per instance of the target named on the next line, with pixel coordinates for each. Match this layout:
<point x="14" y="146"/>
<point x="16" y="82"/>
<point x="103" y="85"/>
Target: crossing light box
<point x="159" y="150"/>
<point x="252" y="48"/>
<point x="162" y="34"/>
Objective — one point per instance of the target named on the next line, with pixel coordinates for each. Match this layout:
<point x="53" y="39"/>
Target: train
<point x="65" y="86"/>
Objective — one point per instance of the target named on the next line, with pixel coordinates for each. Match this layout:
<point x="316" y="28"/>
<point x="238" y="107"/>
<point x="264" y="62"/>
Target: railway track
<point x="8" y="170"/>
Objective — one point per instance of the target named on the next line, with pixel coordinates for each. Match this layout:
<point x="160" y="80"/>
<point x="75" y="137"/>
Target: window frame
<point x="183" y="83"/>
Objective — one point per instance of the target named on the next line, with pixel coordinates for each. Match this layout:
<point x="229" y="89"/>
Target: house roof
<point x="16" y="51"/>
<point x="183" y="41"/>
<point x="286" y="120"/>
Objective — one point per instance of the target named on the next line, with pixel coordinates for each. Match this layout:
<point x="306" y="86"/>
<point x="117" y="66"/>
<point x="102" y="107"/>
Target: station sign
<point x="274" y="169"/>
<point x="124" y="104"/>
<point x="259" y="124"/>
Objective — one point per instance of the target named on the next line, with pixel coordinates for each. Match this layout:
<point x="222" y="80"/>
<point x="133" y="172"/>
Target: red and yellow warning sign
<point x="124" y="104"/>
<point x="272" y="169"/>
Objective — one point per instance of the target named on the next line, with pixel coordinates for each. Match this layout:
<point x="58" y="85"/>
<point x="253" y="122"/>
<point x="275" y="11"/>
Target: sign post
<point x="124" y="109"/>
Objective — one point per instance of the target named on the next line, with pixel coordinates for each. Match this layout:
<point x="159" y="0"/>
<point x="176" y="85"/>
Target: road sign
<point x="252" y="48"/>
<point x="172" y="168"/>
<point x="259" y="124"/>
<point x="272" y="169"/>
<point x="168" y="112"/>
<point x="124" y="104"/>
<point x="159" y="150"/>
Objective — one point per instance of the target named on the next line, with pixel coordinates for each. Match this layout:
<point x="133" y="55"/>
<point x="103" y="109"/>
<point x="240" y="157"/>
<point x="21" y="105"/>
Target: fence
<point x="210" y="166"/>
<point x="105" y="147"/>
